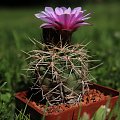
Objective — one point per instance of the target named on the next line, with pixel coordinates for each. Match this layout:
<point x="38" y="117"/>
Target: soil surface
<point x="90" y="97"/>
<point x="93" y="96"/>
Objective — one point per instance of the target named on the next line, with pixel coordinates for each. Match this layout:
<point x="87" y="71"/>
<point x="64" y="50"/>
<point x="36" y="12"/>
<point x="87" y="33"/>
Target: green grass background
<point x="17" y="25"/>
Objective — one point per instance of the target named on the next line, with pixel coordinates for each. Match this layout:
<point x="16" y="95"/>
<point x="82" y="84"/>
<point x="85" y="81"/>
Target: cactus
<point x="60" y="69"/>
<point x="61" y="73"/>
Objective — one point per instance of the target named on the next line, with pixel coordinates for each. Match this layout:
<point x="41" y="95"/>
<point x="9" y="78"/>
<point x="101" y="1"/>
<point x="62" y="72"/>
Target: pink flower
<point x="63" y="18"/>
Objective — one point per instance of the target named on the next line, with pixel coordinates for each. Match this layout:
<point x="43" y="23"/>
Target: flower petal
<point x="64" y="8"/>
<point x="58" y="11"/>
<point x="87" y="15"/>
<point x="45" y="17"/>
<point x="75" y="19"/>
<point x="49" y="9"/>
<point x="76" y="26"/>
<point x="46" y="25"/>
<point x="67" y="11"/>
<point x="85" y="18"/>
<point x="39" y="15"/>
<point x="77" y="9"/>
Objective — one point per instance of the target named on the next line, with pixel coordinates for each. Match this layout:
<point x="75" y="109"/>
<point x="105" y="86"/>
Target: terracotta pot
<point x="72" y="112"/>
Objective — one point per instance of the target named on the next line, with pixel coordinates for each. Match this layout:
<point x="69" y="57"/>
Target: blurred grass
<point x="16" y="25"/>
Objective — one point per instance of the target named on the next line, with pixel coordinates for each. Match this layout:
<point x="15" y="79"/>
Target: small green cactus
<point x="60" y="69"/>
<point x="61" y="73"/>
